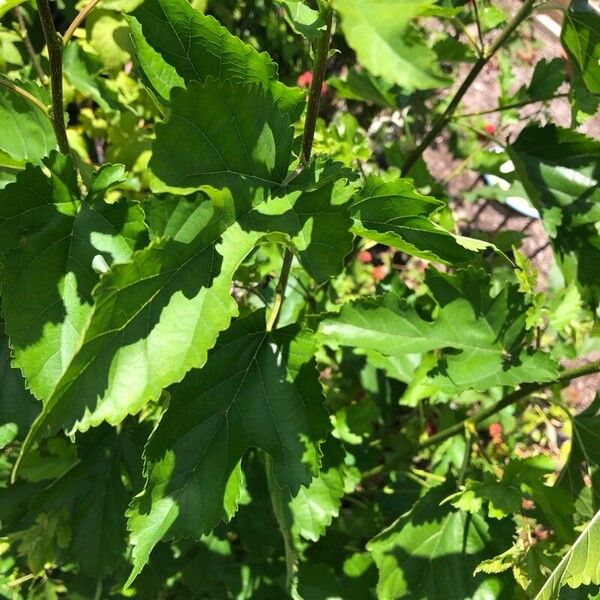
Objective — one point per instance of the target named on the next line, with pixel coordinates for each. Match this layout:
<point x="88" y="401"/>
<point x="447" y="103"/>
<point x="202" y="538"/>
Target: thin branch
<point x="551" y="7"/>
<point x="510" y="106"/>
<point x="472" y="41"/>
<point x="24" y="93"/>
<point x="20" y="580"/>
<point x="442" y="120"/>
<point x="55" y="58"/>
<point x="83" y="13"/>
<point x="308" y="136"/>
<point x="512" y="398"/>
<point x="35" y="61"/>
<point x="316" y="87"/>
<point x="478" y="22"/>
<point x="279" y="503"/>
<point x="466" y="462"/>
<point x="288" y="257"/>
<point x="482" y="133"/>
<point x="471" y="424"/>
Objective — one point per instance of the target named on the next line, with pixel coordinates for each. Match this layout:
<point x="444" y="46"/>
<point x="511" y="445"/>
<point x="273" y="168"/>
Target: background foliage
<point x="247" y="348"/>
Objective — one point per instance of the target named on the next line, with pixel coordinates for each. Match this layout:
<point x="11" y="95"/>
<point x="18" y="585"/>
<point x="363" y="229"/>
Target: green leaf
<point x="580" y="37"/>
<point x="176" y="44"/>
<point x="18" y="408"/>
<point x="96" y="496"/>
<point x="566" y="308"/>
<point x="431" y="552"/>
<point x="82" y="70"/>
<point x="258" y="389"/>
<point x="303" y="19"/>
<point x="365" y="87"/>
<point x="107" y="32"/>
<point x="172" y="300"/>
<point x="559" y="171"/>
<point x="9" y="50"/>
<point x="394" y="213"/>
<point x="221" y="134"/>
<point x="27" y="132"/>
<point x="547" y="77"/>
<point x="315" y="506"/>
<point x="6" y="5"/>
<point x="380" y="33"/>
<point x="50" y="242"/>
<point x="449" y="49"/>
<point x="504" y="499"/>
<point x="174" y="297"/>
<point x="106" y="177"/>
<point x="584" y="104"/>
<point x="487" y="330"/>
<point x="584" y="456"/>
<point x="491" y="17"/>
<point x="314" y="212"/>
<point x="579" y="566"/>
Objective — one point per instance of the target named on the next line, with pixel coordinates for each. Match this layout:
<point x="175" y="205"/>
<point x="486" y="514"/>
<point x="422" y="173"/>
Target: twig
<point x="55" y="58"/>
<point x="478" y="50"/>
<point x="310" y="123"/>
<point x="35" y="61"/>
<point x="316" y="87"/>
<point x="20" y="580"/>
<point x="83" y="13"/>
<point x="288" y="257"/>
<point x="24" y="93"/>
<point x="464" y="467"/>
<point x="512" y="398"/>
<point x="482" y="133"/>
<point x="478" y="22"/>
<point x="510" y="106"/>
<point x="442" y="120"/>
<point x="279" y="502"/>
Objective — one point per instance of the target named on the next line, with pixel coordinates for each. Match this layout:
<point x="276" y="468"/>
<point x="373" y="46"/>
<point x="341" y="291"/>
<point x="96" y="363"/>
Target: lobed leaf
<point x="50" y="241"/>
<point x="176" y="44"/>
<point x="27" y="132"/>
<point x="156" y="317"/>
<point x="431" y="552"/>
<point x="580" y="565"/>
<point x="394" y="213"/>
<point x="559" y="171"/>
<point x="222" y="134"/>
<point x="580" y="37"/>
<point x="380" y="33"/>
<point x="488" y="332"/>
<point x="257" y="389"/>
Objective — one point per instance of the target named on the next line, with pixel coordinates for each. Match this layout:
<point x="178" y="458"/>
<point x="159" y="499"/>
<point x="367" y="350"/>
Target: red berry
<point x="495" y="430"/>
<point x="527" y="504"/>
<point x="365" y="257"/>
<point x="489" y="128"/>
<point x="305" y="79"/>
<point x="379" y="272"/>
